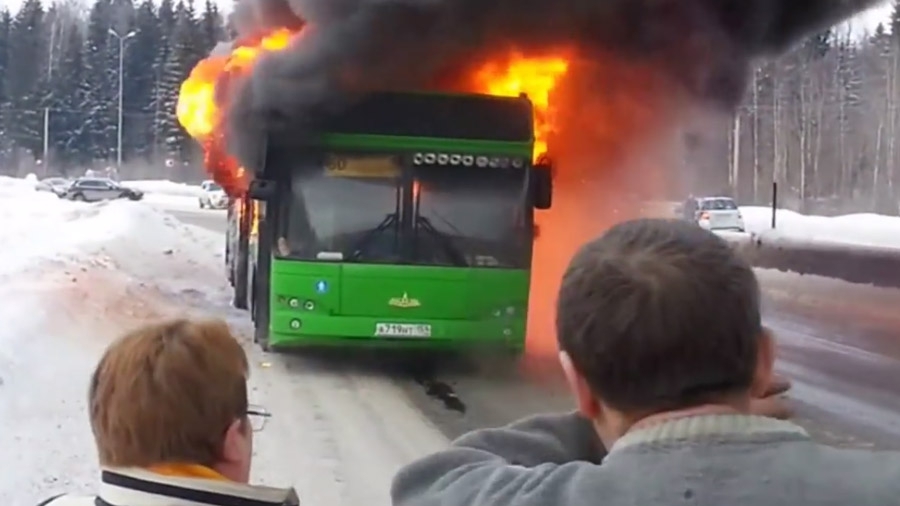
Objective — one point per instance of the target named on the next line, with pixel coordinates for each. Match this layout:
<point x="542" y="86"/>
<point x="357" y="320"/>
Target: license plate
<point x="402" y="330"/>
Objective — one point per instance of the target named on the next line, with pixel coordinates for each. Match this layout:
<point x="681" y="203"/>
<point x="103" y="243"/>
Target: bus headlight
<point x="309" y="305"/>
<point x="294" y="302"/>
<point x="455" y="159"/>
<point x="481" y="161"/>
<point x="505" y="312"/>
<point x="430" y="158"/>
<point x="518" y="163"/>
<point x="296" y="324"/>
<point x="443" y="158"/>
<point x="418" y="159"/>
<point x="468" y="160"/>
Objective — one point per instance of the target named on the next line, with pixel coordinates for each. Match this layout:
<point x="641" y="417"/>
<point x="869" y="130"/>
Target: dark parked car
<point x="95" y="189"/>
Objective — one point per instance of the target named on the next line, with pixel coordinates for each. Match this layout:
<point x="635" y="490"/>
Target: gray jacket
<point x="712" y="460"/>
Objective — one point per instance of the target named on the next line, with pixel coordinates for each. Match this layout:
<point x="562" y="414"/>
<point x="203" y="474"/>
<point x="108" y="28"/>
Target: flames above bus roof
<point x="329" y="52"/>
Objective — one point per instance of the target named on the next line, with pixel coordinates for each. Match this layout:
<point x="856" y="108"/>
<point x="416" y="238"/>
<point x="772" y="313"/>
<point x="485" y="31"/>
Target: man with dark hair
<point x="663" y="348"/>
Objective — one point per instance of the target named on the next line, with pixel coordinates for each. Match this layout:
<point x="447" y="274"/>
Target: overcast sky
<point x="864" y="22"/>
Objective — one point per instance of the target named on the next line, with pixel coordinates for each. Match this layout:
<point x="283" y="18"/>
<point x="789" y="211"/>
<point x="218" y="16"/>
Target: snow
<point x="865" y="230"/>
<point x="169" y="195"/>
<point x="38" y="226"/>
<point x="165" y="187"/>
<point x="74" y="276"/>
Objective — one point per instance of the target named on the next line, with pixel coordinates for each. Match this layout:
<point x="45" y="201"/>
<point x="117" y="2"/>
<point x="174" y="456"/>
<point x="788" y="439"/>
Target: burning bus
<point x="404" y="221"/>
<point x="408" y="222"/>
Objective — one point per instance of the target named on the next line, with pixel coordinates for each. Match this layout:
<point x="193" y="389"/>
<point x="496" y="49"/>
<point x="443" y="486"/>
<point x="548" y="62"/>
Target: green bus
<point x="409" y="223"/>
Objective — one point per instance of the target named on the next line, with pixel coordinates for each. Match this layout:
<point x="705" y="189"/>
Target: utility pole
<point x="46" y="158"/>
<point x="121" y="76"/>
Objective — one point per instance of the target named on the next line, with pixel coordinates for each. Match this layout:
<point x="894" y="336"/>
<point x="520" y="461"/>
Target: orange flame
<point x="204" y="95"/>
<point x="535" y="77"/>
<point x="200" y="108"/>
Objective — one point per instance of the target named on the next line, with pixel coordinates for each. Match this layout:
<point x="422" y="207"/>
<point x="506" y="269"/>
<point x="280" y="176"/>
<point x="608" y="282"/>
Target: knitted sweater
<point x="708" y="460"/>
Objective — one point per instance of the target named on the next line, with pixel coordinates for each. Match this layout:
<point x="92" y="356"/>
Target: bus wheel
<point x="251" y="297"/>
<point x="240" y="292"/>
<point x="260" y="321"/>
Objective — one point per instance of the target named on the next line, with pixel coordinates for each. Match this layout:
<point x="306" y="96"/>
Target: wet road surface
<point x="839" y="343"/>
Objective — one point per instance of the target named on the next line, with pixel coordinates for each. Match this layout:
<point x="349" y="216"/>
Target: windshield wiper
<point x="357" y="250"/>
<point x="446" y="243"/>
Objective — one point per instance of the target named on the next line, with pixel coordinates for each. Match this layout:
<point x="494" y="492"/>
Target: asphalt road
<point x="839" y="343"/>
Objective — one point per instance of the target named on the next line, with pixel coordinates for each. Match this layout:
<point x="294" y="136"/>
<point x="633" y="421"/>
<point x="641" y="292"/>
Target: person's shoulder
<point x="872" y="470"/>
<point x="68" y="500"/>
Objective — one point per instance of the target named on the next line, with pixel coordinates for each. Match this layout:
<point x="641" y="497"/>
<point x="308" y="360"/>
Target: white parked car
<point x="213" y="196"/>
<point x="714" y="213"/>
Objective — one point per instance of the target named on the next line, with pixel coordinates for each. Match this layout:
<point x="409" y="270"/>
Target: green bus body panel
<point x="392" y="143"/>
<point x="465" y="307"/>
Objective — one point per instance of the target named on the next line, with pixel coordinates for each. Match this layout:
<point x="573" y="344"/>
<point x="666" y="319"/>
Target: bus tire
<point x="260" y="319"/>
<point x="240" y="290"/>
<point x="251" y="296"/>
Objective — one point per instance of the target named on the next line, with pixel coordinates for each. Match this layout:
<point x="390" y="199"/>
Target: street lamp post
<point x="121" y="76"/>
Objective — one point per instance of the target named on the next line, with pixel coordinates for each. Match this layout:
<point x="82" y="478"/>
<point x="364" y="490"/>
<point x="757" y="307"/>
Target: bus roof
<point x="460" y="116"/>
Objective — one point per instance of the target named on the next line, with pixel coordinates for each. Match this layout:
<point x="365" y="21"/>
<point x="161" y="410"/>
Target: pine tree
<point x="176" y="68"/>
<point x="142" y="81"/>
<point x="895" y="21"/>
<point x="5" y="106"/>
<point x="212" y="28"/>
<point x="68" y="132"/>
<point x="26" y="67"/>
<point x="162" y="118"/>
<point x="100" y="84"/>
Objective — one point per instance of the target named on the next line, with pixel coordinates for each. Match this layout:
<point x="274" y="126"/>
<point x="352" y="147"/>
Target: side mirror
<point x="262" y="189"/>
<point x="542" y="185"/>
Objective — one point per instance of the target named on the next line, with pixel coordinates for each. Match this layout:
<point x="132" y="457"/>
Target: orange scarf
<point x="187" y="471"/>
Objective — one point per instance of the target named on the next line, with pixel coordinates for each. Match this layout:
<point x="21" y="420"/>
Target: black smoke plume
<point x="350" y="47"/>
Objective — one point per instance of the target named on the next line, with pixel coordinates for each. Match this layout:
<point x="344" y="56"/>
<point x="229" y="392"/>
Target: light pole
<point x="121" y="72"/>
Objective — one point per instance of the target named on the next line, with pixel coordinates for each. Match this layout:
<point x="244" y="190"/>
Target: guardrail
<point x="877" y="266"/>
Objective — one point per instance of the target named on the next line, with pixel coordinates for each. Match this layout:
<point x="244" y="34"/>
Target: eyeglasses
<point x="258" y="416"/>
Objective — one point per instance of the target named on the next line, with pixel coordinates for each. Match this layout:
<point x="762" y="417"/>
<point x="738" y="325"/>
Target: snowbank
<point x="150" y="186"/>
<point x="40" y="227"/>
<point x="866" y="230"/>
<point x="73" y="276"/>
<point x="12" y="186"/>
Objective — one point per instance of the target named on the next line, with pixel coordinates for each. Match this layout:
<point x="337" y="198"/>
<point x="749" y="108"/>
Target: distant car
<point x="714" y="213"/>
<point x="55" y="185"/>
<point x="213" y="196"/>
<point x="95" y="189"/>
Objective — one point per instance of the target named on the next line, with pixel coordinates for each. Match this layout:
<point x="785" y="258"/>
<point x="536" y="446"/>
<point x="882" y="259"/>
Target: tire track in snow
<point x="348" y="429"/>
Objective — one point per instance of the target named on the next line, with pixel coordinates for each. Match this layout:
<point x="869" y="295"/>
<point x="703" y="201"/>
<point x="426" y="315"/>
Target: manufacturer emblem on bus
<point x="404" y="302"/>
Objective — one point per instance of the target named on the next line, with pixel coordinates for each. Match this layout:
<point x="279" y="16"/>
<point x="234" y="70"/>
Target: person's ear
<point x="234" y="446"/>
<point x="587" y="404"/>
<point x="765" y="364"/>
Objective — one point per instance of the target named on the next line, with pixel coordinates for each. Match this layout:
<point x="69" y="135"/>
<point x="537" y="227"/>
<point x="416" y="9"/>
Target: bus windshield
<point x="470" y="216"/>
<point x="342" y="213"/>
<point x="372" y="210"/>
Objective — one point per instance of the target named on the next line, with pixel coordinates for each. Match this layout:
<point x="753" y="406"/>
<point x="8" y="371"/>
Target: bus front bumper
<point x="292" y="330"/>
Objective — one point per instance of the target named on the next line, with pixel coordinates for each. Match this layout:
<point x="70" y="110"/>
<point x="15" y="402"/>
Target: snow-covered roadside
<point x="163" y="187"/>
<point x="837" y="299"/>
<point x="167" y="194"/>
<point x="73" y="276"/>
<point x="863" y="230"/>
